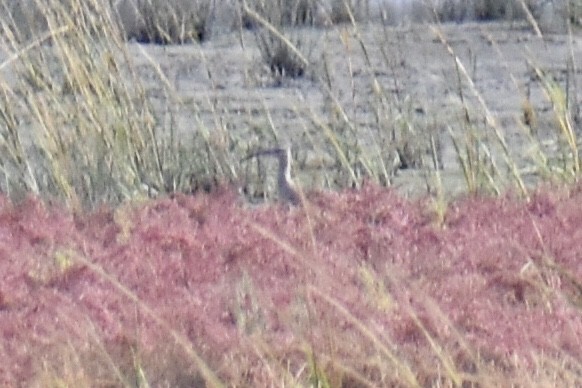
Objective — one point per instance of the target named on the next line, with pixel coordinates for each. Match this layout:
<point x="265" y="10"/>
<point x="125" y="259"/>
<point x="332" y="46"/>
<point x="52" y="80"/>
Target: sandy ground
<point x="227" y="82"/>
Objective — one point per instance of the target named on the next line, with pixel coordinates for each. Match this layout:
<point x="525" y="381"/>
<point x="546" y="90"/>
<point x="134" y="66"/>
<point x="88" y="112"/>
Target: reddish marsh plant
<point x="358" y="287"/>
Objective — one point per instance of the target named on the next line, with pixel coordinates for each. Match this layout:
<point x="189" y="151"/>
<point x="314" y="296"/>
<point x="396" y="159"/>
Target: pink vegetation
<point x="500" y="280"/>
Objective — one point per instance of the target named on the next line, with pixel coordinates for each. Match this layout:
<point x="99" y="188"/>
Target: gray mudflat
<point x="230" y="86"/>
<point x="398" y="87"/>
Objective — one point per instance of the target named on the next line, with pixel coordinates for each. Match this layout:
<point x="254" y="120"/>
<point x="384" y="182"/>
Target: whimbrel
<point x="287" y="189"/>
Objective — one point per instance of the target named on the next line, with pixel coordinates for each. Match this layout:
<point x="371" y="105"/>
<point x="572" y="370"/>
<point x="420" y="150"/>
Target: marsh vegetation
<point x="440" y="162"/>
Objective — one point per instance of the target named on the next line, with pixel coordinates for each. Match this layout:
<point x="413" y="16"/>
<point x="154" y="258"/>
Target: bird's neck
<point x="285" y="170"/>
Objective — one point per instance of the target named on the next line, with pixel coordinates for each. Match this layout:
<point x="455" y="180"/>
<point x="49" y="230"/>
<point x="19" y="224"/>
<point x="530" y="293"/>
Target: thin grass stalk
<point x="431" y="305"/>
<point x="541" y="160"/>
<point x="473" y="165"/>
<point x="271" y="28"/>
<point x="52" y="144"/>
<point x="331" y="136"/>
<point x="463" y="162"/>
<point x="224" y="159"/>
<point x="549" y="262"/>
<point x="14" y="149"/>
<point x="108" y="359"/>
<point x="490" y="119"/>
<point x="12" y="139"/>
<point x="270" y="360"/>
<point x="573" y="74"/>
<point x="493" y="184"/>
<point x="218" y="158"/>
<point x="353" y="374"/>
<point x="306" y="133"/>
<point x="318" y="377"/>
<point x="209" y="376"/>
<point x="155" y="142"/>
<point x="77" y="76"/>
<point x="400" y="366"/>
<point x="531" y="19"/>
<point x="439" y="203"/>
<point x="346" y="43"/>
<point x="300" y="259"/>
<point x="129" y="160"/>
<point x="537" y="155"/>
<point x="445" y="359"/>
<point x="556" y="96"/>
<point x="51" y="34"/>
<point x="385" y="175"/>
<point x="480" y="373"/>
<point x="366" y="162"/>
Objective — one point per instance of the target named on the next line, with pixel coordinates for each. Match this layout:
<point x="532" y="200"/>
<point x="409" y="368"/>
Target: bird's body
<point x="287" y="190"/>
